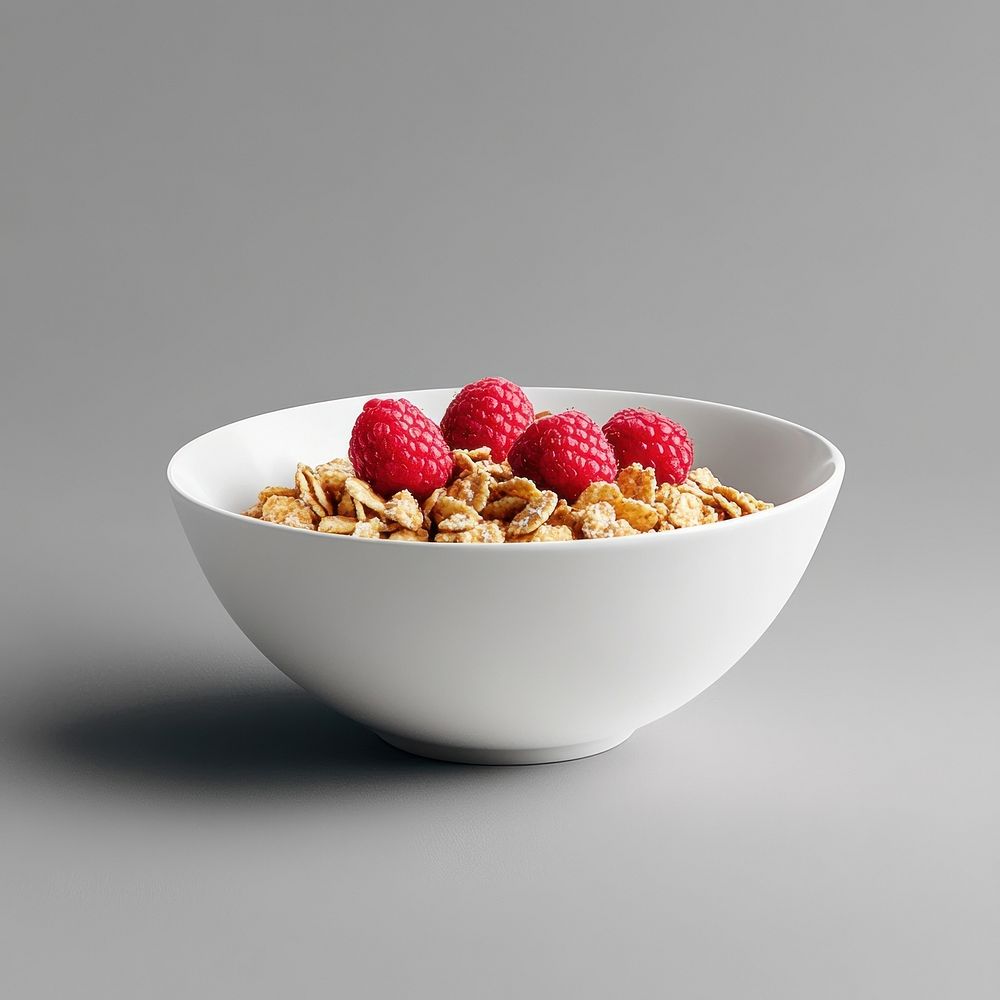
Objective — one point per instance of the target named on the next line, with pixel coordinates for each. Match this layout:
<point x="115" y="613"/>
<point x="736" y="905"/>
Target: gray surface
<point x="210" y="210"/>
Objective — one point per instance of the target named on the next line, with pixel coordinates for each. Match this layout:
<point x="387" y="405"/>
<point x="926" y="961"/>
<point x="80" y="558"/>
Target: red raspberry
<point x="491" y="412"/>
<point x="651" y="439"/>
<point x="396" y="446"/>
<point x="565" y="452"/>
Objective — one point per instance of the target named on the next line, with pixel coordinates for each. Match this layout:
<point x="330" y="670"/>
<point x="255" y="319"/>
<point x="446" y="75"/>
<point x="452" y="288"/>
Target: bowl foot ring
<point x="480" y="755"/>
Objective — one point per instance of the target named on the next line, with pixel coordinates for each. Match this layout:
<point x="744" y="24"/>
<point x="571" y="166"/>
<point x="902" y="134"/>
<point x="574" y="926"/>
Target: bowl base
<point x="480" y="755"/>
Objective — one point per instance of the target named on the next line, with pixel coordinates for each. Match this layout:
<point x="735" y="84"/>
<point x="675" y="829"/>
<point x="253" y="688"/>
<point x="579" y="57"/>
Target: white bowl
<point x="506" y="653"/>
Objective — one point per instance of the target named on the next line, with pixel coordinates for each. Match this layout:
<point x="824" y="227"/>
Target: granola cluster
<point x="485" y="502"/>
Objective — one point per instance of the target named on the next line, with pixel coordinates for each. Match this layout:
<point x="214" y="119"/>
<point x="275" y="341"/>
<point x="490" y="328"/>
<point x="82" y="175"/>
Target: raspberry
<point x="651" y="439"/>
<point x="565" y="453"/>
<point x="491" y="412"/>
<point x="396" y="446"/>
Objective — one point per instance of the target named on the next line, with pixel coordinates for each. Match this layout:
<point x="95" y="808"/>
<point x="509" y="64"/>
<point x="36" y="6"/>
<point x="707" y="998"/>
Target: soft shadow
<point x="228" y="741"/>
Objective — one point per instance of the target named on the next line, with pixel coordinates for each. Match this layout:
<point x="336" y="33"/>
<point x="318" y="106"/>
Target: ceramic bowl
<point x="506" y="653"/>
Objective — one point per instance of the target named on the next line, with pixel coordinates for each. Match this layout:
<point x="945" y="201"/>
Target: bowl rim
<point x="832" y="481"/>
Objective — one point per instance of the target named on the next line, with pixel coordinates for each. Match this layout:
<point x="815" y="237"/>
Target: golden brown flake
<point x="747" y="503"/>
<point x="403" y="508"/>
<point x="448" y="507"/>
<point x="289" y="511"/>
<point x="687" y="486"/>
<point x="311" y="491"/>
<point x="535" y="513"/>
<point x="621" y="528"/>
<point x="562" y="516"/>
<point x="466" y="461"/>
<point x="704" y="479"/>
<point x="332" y="475"/>
<point x="337" y="525"/>
<point x="503" y="508"/>
<point x="641" y="516"/>
<point x="667" y="494"/>
<point x="276" y="491"/>
<point x="345" y="505"/>
<point x="686" y="512"/>
<point x="599" y="492"/>
<point x="365" y="495"/>
<point x="731" y="508"/>
<point x="546" y="533"/>
<point x="485" y="532"/>
<point x="473" y="488"/>
<point x="481" y="482"/>
<point x="428" y="505"/>
<point x="500" y="471"/>
<point x="598" y="520"/>
<point x="405" y="535"/>
<point x="637" y="483"/>
<point x="459" y="522"/>
<point x="489" y="532"/>
<point x="518" y="487"/>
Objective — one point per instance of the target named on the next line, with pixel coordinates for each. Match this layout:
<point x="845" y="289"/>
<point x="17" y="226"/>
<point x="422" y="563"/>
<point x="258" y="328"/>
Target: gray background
<point x="209" y="210"/>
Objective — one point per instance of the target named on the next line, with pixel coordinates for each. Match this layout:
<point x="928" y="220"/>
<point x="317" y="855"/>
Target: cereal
<point x="535" y="513"/>
<point x="345" y="506"/>
<point x="337" y="525"/>
<point x="746" y="503"/>
<point x="333" y="474"/>
<point x="667" y="494"/>
<point x="474" y="488"/>
<point x="697" y="491"/>
<point x="403" y="508"/>
<point x="276" y="491"/>
<point x="500" y="472"/>
<point x="311" y="491"/>
<point x="405" y="535"/>
<point x="641" y="516"/>
<point x="562" y="516"/>
<point x="504" y="508"/>
<point x="363" y="494"/>
<point x="598" y="493"/>
<point x="637" y="483"/>
<point x="686" y="512"/>
<point x="518" y="487"/>
<point x="704" y="478"/>
<point x="732" y="508"/>
<point x="451" y="509"/>
<point x="466" y="461"/>
<point x="546" y="533"/>
<point x="487" y="531"/>
<point x="458" y="522"/>
<point x="428" y="506"/>
<point x="485" y="503"/>
<point x="621" y="528"/>
<point x="288" y="511"/>
<point x="598" y="520"/>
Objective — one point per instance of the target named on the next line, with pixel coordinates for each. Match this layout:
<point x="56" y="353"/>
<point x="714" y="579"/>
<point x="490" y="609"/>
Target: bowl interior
<point x="769" y="457"/>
